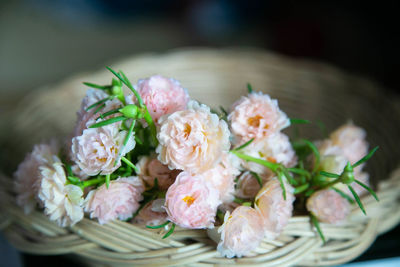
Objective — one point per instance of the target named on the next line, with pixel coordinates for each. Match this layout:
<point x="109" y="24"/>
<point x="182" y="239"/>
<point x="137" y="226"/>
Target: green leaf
<point x="249" y="88"/>
<point x="99" y="108"/>
<point x="270" y="165"/>
<point x="344" y="195"/>
<point x="108" y="113"/>
<point x="314" y="220"/>
<point x="300" y="171"/>
<point x="138" y="140"/>
<point x="98" y="103"/>
<point x="126" y="79"/>
<point x="368" y="189"/>
<point x="367" y="157"/>
<point x="126" y="140"/>
<point x="329" y="174"/>
<point x="108" y="176"/>
<point x="101" y="87"/>
<point x="107" y="122"/>
<point x="357" y="199"/>
<point x="128" y="84"/>
<point x="280" y="178"/>
<point x="220" y="215"/>
<point x="130" y="164"/>
<point x="69" y="170"/>
<point x="315" y="152"/>
<point x="289" y="177"/>
<point x="158" y="226"/>
<point x="299" y="121"/>
<point x="223" y="111"/>
<point x="239" y="200"/>
<point x="259" y="180"/>
<point x="73" y="179"/>
<point x="309" y="192"/>
<point x="246" y="204"/>
<point x="301" y="188"/>
<point x="169" y="232"/>
<point x="244" y="145"/>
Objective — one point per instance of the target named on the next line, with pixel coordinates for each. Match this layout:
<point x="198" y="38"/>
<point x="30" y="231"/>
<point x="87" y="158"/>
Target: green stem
<point x="272" y="166"/>
<point x="330" y="184"/>
<point x="91" y="182"/>
<point x="130" y="164"/>
<point x="150" y="122"/>
<point x="301" y="188"/>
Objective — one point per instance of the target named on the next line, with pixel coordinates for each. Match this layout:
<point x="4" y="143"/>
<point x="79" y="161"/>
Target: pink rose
<point x="119" y="201"/>
<point x="328" y="206"/>
<point x="97" y="149"/>
<point x="151" y="168"/>
<point x="351" y="139"/>
<point x="27" y="178"/>
<point x="191" y="202"/>
<point x="222" y="177"/>
<point x="241" y="232"/>
<point x="192" y="140"/>
<point x="256" y="116"/>
<point x="274" y="148"/>
<point x="274" y="210"/>
<point x="161" y="95"/>
<point x="247" y="185"/>
<point x="152" y="213"/>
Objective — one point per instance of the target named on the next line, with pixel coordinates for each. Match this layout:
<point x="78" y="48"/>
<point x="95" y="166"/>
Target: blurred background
<point x="44" y="41"/>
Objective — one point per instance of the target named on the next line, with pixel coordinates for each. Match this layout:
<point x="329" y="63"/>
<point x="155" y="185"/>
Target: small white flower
<point x="62" y="203"/>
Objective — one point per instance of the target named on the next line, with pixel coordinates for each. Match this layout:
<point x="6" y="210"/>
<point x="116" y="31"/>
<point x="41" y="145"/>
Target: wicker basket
<point x="217" y="77"/>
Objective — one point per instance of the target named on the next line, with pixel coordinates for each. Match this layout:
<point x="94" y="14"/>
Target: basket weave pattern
<point x="304" y="90"/>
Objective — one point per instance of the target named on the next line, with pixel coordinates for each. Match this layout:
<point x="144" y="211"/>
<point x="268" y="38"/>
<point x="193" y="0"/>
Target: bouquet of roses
<point x="156" y="157"/>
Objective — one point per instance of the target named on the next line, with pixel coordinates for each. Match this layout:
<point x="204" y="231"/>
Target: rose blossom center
<point x="187" y="130"/>
<point x="255" y="122"/>
<point x="189" y="200"/>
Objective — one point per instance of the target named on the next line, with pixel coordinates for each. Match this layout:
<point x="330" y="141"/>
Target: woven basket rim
<point x="123" y="244"/>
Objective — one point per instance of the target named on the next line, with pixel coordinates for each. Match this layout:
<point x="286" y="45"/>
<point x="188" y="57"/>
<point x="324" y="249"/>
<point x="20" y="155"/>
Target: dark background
<point x="43" y="41"/>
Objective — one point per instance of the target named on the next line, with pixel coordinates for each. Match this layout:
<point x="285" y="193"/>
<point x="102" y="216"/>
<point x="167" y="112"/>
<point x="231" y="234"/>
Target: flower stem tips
<point x="130" y="111"/>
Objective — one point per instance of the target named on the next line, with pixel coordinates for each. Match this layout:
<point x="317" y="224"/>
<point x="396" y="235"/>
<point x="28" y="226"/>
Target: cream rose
<point x="192" y="140"/>
<point x="256" y="116"/>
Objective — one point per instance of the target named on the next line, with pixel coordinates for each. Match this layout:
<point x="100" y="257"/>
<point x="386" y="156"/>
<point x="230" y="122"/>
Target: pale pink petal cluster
<point x="119" y="201"/>
<point x="191" y="202"/>
<point x="27" y="178"/>
<point x="275" y="148"/>
<point x="161" y="95"/>
<point x="247" y="185"/>
<point x="351" y="139"/>
<point x="62" y="203"/>
<point x="98" y="150"/>
<point x="151" y="168"/>
<point x="152" y="213"/>
<point x="222" y="177"/>
<point x="241" y="232"/>
<point x="256" y="116"/>
<point x="192" y="140"/>
<point x="274" y="209"/>
<point x="328" y="206"/>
